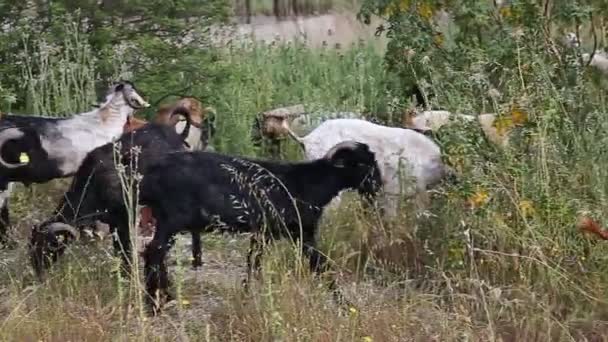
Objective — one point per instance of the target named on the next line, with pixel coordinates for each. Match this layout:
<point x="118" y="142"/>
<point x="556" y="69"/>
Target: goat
<point x="203" y="123"/>
<point x="410" y="163"/>
<point x="598" y="59"/>
<point x="37" y="149"/>
<point x="433" y="120"/>
<point x="96" y="193"/>
<point x="267" y="127"/>
<point x="187" y="191"/>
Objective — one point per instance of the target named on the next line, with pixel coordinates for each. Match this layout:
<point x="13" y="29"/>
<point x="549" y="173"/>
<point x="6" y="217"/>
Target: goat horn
<point x="58" y="227"/>
<point x="293" y="134"/>
<point x="7" y="134"/>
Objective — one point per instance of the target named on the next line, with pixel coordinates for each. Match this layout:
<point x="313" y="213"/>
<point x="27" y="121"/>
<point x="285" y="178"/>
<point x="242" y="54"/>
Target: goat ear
<point x="119" y="87"/>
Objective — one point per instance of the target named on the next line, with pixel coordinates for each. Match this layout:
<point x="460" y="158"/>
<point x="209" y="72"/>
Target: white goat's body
<point x="305" y="123"/>
<point x="409" y="162"/>
<point x="599" y="61"/>
<point x="435" y="119"/>
<point x="80" y="135"/>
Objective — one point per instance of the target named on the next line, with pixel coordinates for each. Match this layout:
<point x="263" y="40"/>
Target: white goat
<point x="432" y="120"/>
<point x="409" y="162"/>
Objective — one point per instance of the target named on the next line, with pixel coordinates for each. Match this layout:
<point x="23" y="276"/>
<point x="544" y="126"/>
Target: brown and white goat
<point x="198" y="134"/>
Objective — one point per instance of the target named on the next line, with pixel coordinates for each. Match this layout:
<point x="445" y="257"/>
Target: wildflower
<point x="526" y="208"/>
<point x="425" y="10"/>
<point x="185" y="302"/>
<point x="518" y="116"/>
<point x="396" y="7"/>
<point x="479" y="198"/>
<point x="503" y="124"/>
<point x="438" y="38"/>
<point x="367" y="339"/>
<point x="353" y="310"/>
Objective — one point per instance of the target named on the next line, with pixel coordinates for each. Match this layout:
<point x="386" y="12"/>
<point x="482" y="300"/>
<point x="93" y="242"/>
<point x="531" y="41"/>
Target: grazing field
<point x="496" y="256"/>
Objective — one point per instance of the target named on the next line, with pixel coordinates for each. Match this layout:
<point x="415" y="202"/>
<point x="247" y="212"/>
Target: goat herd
<point x="185" y="188"/>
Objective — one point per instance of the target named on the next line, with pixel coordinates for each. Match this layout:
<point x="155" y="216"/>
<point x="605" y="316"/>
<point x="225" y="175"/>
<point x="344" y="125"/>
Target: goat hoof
<point x="245" y="284"/>
<point x="196" y="264"/>
<point x="8" y="245"/>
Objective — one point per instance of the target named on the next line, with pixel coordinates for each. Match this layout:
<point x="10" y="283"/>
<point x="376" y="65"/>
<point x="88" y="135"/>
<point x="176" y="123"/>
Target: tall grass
<point x="495" y="257"/>
<point x="60" y="80"/>
<point x="330" y="79"/>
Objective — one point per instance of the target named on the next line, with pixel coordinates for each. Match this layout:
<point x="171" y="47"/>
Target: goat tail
<point x="587" y="224"/>
<point x="6" y="134"/>
<point x="183" y="111"/>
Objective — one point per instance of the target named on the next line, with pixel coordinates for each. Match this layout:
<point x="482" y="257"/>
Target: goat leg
<point x="254" y="259"/>
<point x="155" y="271"/>
<point x="5" y="191"/>
<point x="197" y="255"/>
<point x="4" y="223"/>
<point x="122" y="246"/>
<point x="318" y="265"/>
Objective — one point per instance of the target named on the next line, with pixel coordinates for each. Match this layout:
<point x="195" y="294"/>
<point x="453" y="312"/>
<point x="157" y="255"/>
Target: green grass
<point x="491" y="272"/>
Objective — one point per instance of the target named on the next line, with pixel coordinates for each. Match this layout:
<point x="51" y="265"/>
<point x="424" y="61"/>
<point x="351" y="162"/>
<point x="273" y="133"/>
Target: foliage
<point x="495" y="255"/>
<point x="159" y="47"/>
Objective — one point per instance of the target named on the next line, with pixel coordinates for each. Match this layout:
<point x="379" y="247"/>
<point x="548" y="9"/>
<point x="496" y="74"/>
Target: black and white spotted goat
<point x="35" y="149"/>
<point x="203" y="191"/>
<point x="96" y="194"/>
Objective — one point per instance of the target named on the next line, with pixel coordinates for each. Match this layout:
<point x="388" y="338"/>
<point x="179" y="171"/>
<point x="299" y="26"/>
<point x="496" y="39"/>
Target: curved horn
<point x="7" y="134"/>
<point x="350" y="144"/>
<point x="293" y="135"/>
<point x="183" y="111"/>
<point x="58" y="227"/>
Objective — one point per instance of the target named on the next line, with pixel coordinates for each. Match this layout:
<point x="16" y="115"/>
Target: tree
<point x="162" y="45"/>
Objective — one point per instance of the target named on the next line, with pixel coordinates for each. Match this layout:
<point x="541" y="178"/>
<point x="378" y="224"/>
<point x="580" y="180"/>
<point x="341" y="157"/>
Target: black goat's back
<point x="96" y="185"/>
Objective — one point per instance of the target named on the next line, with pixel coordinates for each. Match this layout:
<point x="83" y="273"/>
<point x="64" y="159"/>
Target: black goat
<point x="36" y="149"/>
<point x="194" y="190"/>
<point x="96" y="193"/>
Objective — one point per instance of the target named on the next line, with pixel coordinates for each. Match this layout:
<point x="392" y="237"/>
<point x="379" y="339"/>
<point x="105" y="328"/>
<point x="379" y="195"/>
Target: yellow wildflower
<point x="438" y="38"/>
<point x="479" y="198"/>
<point x="505" y="11"/>
<point x="396" y="7"/>
<point x="503" y="124"/>
<point x="353" y="310"/>
<point x="367" y="339"/>
<point x="526" y="207"/>
<point x="185" y="302"/>
<point x="425" y="10"/>
<point x="518" y="116"/>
